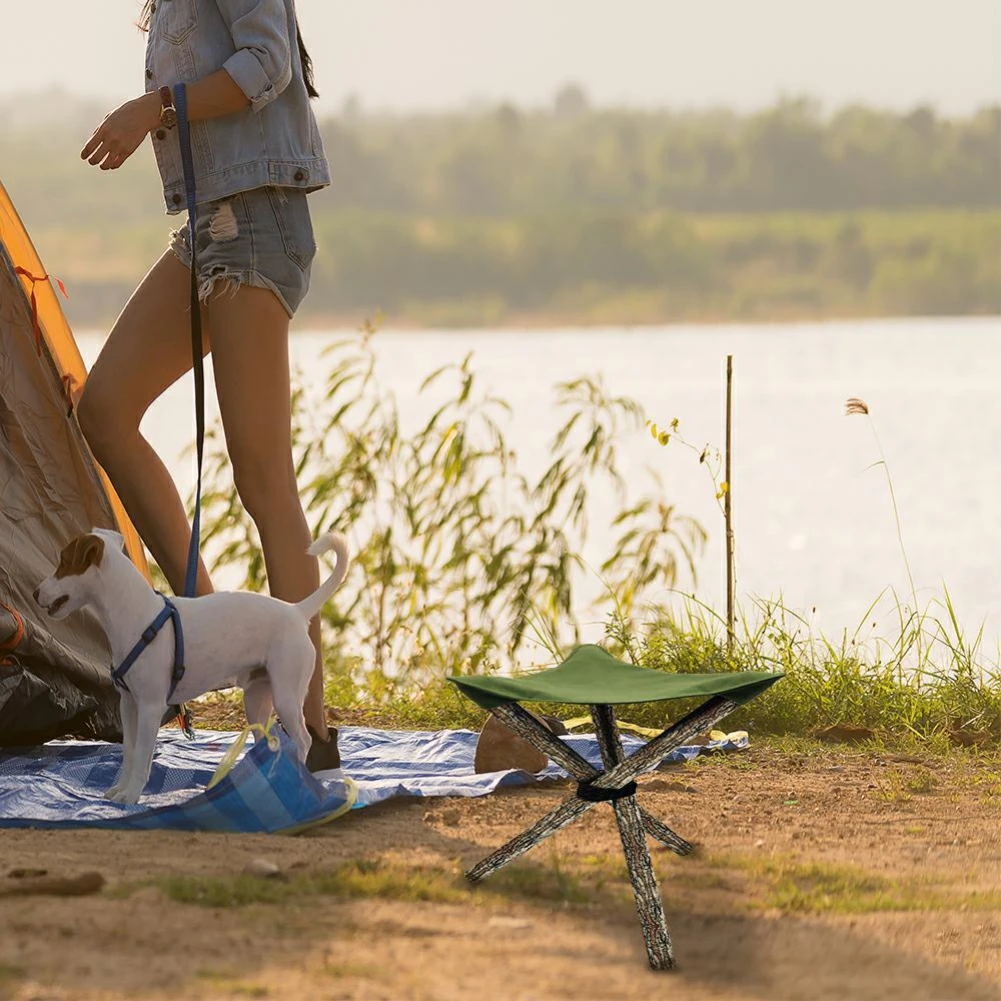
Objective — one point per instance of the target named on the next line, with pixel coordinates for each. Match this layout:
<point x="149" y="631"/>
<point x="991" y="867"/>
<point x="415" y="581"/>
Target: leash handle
<point x="197" y="363"/>
<point x="198" y="370"/>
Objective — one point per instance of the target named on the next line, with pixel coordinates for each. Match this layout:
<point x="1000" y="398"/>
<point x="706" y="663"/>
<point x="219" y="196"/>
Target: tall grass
<point x="930" y="680"/>
<point x="461" y="559"/>
<point x="870" y="686"/>
<point x="464" y="565"/>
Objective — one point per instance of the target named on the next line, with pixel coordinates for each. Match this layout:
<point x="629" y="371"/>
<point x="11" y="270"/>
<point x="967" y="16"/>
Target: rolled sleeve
<point x="262" y="64"/>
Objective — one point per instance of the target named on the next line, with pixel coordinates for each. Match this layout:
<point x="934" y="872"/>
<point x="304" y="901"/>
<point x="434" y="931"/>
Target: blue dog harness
<point x="170" y="612"/>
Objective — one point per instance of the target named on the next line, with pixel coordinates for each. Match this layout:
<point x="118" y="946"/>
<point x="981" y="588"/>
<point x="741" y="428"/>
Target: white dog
<point x="255" y="642"/>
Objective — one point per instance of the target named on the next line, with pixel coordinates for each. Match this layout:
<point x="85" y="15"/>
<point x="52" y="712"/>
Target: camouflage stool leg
<point x="523" y="723"/>
<point x="595" y="787"/>
<point x="646" y="891"/>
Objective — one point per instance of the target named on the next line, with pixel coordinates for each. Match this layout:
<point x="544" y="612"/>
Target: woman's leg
<point x="250" y="352"/>
<point x="148" y="350"/>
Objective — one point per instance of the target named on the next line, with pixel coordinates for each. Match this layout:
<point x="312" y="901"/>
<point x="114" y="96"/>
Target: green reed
<point x="465" y="565"/>
<point x="460" y="560"/>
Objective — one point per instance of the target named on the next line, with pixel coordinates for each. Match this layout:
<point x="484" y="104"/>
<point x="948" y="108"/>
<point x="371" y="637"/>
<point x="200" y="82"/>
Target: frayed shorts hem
<point x="262" y="237"/>
<point x="210" y="279"/>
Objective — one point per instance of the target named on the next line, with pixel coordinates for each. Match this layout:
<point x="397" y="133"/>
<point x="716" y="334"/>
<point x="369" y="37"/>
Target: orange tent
<point x="54" y="676"/>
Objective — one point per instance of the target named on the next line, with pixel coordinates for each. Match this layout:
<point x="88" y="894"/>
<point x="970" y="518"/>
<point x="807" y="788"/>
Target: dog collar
<point x="169" y="611"/>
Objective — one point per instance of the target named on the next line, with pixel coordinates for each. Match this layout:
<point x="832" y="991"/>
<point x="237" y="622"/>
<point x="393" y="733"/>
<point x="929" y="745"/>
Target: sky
<point x="433" y="54"/>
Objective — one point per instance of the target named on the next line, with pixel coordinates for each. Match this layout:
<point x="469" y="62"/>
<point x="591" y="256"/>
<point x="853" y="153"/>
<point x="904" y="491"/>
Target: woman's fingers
<point x="92" y="143"/>
<point x="120" y="134"/>
<point x="106" y="152"/>
<point x="98" y="146"/>
<point x="99" y="154"/>
<point x="106" y="157"/>
<point x="114" y="160"/>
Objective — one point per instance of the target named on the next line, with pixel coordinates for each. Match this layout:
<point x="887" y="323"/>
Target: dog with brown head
<point x="253" y="641"/>
<point x="72" y="584"/>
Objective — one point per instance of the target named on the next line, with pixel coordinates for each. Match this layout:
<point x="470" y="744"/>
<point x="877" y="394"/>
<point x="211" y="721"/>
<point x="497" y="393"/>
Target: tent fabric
<point x="62" y="349"/>
<point x="54" y="677"/>
<point x="62" y="784"/>
<point x="592" y="676"/>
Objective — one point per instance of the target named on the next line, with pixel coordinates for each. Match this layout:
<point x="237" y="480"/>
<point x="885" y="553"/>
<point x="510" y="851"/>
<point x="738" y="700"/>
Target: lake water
<point x="812" y="522"/>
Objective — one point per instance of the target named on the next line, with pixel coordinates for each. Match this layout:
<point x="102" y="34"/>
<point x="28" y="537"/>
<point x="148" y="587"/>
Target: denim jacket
<point x="274" y="141"/>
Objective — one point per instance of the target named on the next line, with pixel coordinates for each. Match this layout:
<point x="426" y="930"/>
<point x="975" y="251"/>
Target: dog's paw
<point x="114" y="790"/>
<point x="125" y="796"/>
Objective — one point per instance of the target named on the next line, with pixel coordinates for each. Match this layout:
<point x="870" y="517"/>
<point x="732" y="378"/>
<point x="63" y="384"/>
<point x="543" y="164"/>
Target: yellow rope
<point x="229" y="758"/>
<point x="644" y="731"/>
<point x="352" y="790"/>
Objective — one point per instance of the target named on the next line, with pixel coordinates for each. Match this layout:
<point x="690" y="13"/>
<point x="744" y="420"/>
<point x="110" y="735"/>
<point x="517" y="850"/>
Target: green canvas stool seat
<point x="590" y="676"/>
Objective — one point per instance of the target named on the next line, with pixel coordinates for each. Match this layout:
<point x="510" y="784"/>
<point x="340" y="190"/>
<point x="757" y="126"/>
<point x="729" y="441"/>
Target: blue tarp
<point x="62" y="783"/>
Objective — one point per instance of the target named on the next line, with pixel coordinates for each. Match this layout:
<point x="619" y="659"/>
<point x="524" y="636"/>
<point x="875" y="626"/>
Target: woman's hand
<point x="121" y="133"/>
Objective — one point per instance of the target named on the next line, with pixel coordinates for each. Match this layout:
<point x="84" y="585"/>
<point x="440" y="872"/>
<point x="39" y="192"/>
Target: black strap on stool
<point x="595" y="794"/>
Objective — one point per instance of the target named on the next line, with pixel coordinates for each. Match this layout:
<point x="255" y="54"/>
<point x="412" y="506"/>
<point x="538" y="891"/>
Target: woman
<point x="257" y="153"/>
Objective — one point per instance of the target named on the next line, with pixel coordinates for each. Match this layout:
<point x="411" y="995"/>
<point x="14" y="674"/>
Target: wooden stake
<point x="727" y="506"/>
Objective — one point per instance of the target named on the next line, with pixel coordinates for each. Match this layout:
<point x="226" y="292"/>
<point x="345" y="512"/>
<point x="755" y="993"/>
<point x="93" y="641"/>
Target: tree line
<point x="790" y="157"/>
<point x="579" y="214"/>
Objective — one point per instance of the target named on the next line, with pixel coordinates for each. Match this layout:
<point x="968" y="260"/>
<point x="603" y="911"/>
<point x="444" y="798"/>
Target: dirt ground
<point x="819" y="875"/>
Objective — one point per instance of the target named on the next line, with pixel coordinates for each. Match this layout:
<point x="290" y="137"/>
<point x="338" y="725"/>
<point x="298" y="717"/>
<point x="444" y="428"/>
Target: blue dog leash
<point x="198" y="370"/>
<point x="169" y="611"/>
<point x="197" y="365"/>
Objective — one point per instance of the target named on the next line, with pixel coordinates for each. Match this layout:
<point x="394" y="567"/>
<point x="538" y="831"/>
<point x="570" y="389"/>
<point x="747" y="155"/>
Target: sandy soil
<point x="840" y="875"/>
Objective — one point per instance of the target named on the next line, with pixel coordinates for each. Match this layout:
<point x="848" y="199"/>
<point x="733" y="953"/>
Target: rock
<point x="148" y="895"/>
<point x="671" y="766"/>
<point x="509" y="923"/>
<point x="499" y="748"/>
<point x="660" y="785"/>
<point x="841" y="734"/>
<point x="55" y="886"/>
<point x="969" y="738"/>
<point x="554" y="724"/>
<point x="700" y="740"/>
<point x="450" y="818"/>
<point x="262" y="867"/>
<point x="663" y="786"/>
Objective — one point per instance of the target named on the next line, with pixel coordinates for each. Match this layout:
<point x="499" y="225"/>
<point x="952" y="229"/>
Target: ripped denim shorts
<point x="261" y="237"/>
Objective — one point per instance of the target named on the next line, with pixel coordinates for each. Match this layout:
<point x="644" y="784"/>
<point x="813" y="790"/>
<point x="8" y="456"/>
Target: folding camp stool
<point x="592" y="677"/>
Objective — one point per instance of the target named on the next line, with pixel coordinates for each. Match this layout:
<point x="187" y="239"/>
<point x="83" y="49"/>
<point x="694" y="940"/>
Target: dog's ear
<point x="114" y="539"/>
<point x="80" y="555"/>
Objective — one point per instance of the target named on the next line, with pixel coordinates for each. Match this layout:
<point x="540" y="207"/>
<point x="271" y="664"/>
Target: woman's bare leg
<point x="250" y="351"/>
<point x="148" y="350"/>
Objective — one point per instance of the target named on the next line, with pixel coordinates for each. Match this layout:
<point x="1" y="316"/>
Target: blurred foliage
<point x="458" y="558"/>
<point x="574" y="214"/>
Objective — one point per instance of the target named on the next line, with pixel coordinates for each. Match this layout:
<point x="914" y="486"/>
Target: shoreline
<point x="550" y="323"/>
<point x="325" y="323"/>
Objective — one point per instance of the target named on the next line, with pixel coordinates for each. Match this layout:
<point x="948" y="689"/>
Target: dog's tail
<point x="308" y="607"/>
